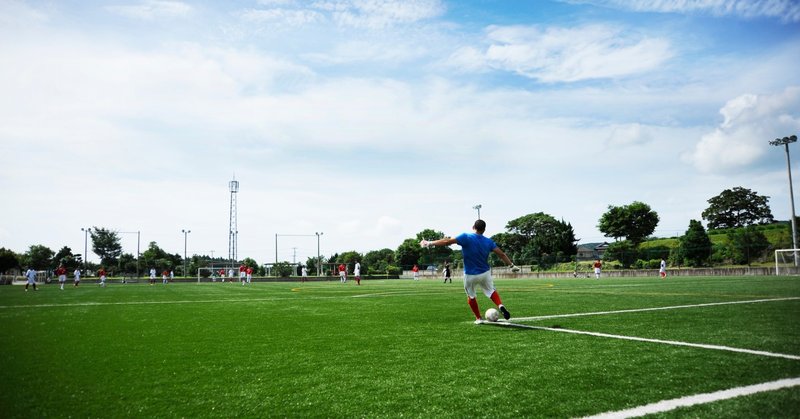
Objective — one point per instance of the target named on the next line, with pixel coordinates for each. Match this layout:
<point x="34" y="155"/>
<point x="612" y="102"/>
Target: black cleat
<point x="506" y="314"/>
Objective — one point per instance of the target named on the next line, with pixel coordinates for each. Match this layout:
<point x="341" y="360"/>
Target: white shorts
<point x="31" y="281"/>
<point x="484" y="281"/>
<point x="103" y="278"/>
<point x="342" y="274"/>
<point x="62" y="278"/>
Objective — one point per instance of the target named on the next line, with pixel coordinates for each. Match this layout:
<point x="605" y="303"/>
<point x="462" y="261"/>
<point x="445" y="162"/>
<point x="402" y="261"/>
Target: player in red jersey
<point x="61" y="271"/>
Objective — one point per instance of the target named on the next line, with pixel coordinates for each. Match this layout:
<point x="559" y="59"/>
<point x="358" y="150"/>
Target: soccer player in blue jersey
<point x="476" y="249"/>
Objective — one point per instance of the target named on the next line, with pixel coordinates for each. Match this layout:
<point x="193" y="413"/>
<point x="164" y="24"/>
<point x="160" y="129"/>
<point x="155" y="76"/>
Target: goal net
<point x="787" y="262"/>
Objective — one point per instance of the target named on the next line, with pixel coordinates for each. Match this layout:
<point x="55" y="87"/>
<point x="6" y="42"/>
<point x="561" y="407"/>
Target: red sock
<point x="473" y="304"/>
<point x="496" y="298"/>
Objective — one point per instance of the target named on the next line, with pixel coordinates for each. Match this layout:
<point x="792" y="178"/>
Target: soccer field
<point x="573" y="348"/>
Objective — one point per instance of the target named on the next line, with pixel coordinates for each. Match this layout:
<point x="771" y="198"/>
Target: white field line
<point x="636" y="310"/>
<point x="216" y="301"/>
<point x="667" y="405"/>
<point x="638" y="339"/>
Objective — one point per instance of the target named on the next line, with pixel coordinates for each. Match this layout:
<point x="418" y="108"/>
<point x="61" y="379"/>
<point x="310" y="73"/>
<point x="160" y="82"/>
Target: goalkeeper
<point x="476" y="248"/>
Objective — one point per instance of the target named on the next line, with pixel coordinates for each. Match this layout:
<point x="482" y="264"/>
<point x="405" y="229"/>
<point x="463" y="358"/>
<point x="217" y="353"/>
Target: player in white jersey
<point x="30" y="276"/>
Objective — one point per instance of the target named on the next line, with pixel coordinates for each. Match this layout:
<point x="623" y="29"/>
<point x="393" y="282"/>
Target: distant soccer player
<point x="242" y="273"/>
<point x="61" y="271"/>
<point x="164" y="275"/>
<point x="222" y="274"/>
<point x="77" y="276"/>
<point x="249" y="273"/>
<point x="598" y="266"/>
<point x="447" y="273"/>
<point x="152" y="276"/>
<point x="304" y="274"/>
<point x="342" y="273"/>
<point x="357" y="273"/>
<point x="475" y="248"/>
<point x="102" y="273"/>
<point x="30" y="276"/>
<point x="663" y="269"/>
<point x="415" y="269"/>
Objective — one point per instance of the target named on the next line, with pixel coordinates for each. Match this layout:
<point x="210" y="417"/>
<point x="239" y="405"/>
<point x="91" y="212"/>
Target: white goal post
<point x="787" y="262"/>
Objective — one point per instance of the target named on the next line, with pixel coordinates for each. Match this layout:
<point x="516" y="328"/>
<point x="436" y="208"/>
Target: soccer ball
<point x="492" y="315"/>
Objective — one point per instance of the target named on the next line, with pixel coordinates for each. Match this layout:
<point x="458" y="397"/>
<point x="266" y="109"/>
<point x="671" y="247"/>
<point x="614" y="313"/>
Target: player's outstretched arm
<point x="499" y="252"/>
<point x="447" y="241"/>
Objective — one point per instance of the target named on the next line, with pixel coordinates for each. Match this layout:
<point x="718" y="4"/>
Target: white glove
<point x="514" y="268"/>
<point x="426" y="244"/>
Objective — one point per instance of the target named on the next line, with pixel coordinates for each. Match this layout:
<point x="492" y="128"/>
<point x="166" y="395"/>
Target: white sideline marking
<point x="666" y="342"/>
<point x="667" y="405"/>
<point x="636" y="310"/>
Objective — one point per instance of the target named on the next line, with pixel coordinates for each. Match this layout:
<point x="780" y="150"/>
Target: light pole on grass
<point x="185" y="234"/>
<point x="319" y="262"/>
<point x="785" y="141"/>
<point x="85" y="245"/>
<point x="478" y="208"/>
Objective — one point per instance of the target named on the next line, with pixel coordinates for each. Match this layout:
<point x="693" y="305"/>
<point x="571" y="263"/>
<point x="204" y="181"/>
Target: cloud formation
<point x="749" y="121"/>
<point x="566" y="54"/>
<point x="787" y="11"/>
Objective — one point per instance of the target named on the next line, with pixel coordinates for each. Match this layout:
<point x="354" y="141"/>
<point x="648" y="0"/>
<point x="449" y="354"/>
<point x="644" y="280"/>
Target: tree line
<point x="536" y="239"/>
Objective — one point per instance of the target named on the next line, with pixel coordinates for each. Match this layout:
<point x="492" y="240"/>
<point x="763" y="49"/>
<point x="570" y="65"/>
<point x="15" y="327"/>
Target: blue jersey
<point x="476" y="249"/>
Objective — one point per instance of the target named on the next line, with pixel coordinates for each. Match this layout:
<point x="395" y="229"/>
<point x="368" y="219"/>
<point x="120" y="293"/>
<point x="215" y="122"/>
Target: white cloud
<point x="152" y="9"/>
<point x="378" y="14"/>
<point x="369" y="14"/>
<point x="282" y="17"/>
<point x="629" y="134"/>
<point x="749" y="121"/>
<point x="786" y="10"/>
<point x="556" y="54"/>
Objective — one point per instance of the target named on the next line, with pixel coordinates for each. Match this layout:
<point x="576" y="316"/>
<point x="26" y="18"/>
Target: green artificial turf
<point x="392" y="348"/>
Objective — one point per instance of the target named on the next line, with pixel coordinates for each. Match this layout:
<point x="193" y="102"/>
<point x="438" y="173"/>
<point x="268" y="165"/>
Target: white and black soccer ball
<point x="492" y="315"/>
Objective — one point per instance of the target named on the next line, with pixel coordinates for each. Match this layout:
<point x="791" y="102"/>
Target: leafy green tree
<point x="537" y="238"/>
<point x="349" y="259"/>
<point x="695" y="246"/>
<point x="746" y="244"/>
<point x="408" y="253"/>
<point x="66" y="258"/>
<point x="378" y="261"/>
<point x="8" y="260"/>
<point x="312" y="264"/>
<point x="282" y="269"/>
<point x="737" y="207"/>
<point x="126" y="264"/>
<point x="106" y="244"/>
<point x="38" y="257"/>
<point x="634" y="222"/>
<point x="623" y="251"/>
<point x="155" y="257"/>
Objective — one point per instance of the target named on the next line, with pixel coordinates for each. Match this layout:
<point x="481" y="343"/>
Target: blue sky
<point x="371" y="120"/>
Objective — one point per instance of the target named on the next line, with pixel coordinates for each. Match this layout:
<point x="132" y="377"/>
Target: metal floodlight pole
<point x="785" y="141"/>
<point x="85" y="245"/>
<point x="185" y="235"/>
<point x="319" y="262"/>
<point x="478" y="207"/>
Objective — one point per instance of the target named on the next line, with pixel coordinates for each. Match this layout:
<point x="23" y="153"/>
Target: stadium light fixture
<point x="478" y="208"/>
<point x="85" y="245"/>
<point x="785" y="141"/>
<point x="185" y="234"/>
